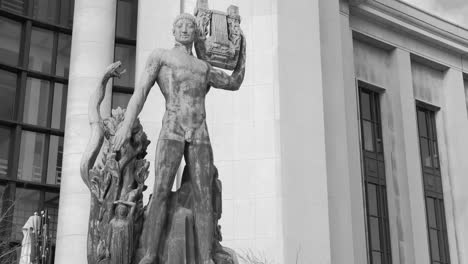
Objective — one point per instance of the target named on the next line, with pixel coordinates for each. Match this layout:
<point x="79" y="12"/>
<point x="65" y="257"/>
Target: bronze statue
<point x="184" y="81"/>
<point x="179" y="226"/>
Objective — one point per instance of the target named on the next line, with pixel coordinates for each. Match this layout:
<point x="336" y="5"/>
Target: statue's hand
<point x="121" y="137"/>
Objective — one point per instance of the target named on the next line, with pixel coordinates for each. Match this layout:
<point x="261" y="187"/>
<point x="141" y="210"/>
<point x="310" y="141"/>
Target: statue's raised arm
<point x="143" y="87"/>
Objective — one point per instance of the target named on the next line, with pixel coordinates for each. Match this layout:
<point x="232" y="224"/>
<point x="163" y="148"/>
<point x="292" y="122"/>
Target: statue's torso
<point x="183" y="80"/>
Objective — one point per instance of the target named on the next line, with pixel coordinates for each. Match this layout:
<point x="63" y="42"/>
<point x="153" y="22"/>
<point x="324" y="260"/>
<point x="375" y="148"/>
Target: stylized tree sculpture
<point x="116" y="181"/>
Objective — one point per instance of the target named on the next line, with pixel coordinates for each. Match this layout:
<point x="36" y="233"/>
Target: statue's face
<point x="122" y="211"/>
<point x="184" y="31"/>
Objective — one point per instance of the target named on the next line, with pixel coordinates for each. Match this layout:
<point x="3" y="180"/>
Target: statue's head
<point x="184" y="28"/>
<point x="121" y="211"/>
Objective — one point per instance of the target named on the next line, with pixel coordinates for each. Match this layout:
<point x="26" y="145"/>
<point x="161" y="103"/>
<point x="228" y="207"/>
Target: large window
<point x="378" y="234"/>
<point x="435" y="211"/>
<point x="125" y="51"/>
<point x="35" y="42"/>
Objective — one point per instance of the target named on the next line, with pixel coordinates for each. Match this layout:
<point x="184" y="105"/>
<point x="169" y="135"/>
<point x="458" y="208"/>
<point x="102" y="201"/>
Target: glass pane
<point x="381" y="169"/>
<point x="368" y="135"/>
<point x="120" y="100"/>
<point x="31" y="156"/>
<point x="63" y="55"/>
<point x="434" y="238"/>
<point x="51" y="199"/>
<point x="4" y="151"/>
<point x="374" y="232"/>
<point x="435" y="154"/>
<point x="54" y="166"/>
<point x="378" y="139"/>
<point x="40" y="55"/>
<point x="59" y="106"/>
<point x="127" y="19"/>
<point x="7" y="94"/>
<point x="372" y="199"/>
<point x="125" y="54"/>
<point x="26" y="203"/>
<point x="51" y="202"/>
<point x="431" y="214"/>
<point x="425" y="156"/>
<point x="431" y="125"/>
<point x="36" y="102"/>
<point x="10" y="41"/>
<point x="45" y="10"/>
<point x="66" y="12"/>
<point x="14" y="6"/>
<point x="376" y="258"/>
<point x="365" y="106"/>
<point x="422" y="123"/>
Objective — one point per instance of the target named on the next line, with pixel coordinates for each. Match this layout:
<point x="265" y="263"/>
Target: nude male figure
<point x="184" y="81"/>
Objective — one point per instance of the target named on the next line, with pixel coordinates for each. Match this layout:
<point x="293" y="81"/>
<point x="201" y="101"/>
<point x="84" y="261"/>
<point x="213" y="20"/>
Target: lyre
<point x="219" y="35"/>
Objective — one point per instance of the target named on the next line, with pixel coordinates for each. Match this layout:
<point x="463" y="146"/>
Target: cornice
<point x="414" y="21"/>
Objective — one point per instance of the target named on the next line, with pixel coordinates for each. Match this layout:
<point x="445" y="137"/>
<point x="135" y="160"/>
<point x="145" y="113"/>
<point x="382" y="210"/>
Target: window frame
<point x="429" y="174"/>
<point x="378" y="180"/>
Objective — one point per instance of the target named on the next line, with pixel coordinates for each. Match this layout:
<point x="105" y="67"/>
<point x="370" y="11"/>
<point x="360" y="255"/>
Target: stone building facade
<point x="345" y="144"/>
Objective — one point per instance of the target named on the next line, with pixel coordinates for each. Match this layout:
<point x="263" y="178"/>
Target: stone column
<point x="453" y="145"/>
<point x="347" y="224"/>
<point x="92" y="50"/>
<point x="302" y="133"/>
<point x="403" y="164"/>
<point x="402" y="159"/>
<point x="154" y="30"/>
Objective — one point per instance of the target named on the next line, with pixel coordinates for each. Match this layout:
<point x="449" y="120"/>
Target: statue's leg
<point x="168" y="156"/>
<point x="199" y="158"/>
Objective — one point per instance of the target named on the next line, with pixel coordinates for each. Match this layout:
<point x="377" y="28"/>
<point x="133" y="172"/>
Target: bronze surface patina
<point x="175" y="227"/>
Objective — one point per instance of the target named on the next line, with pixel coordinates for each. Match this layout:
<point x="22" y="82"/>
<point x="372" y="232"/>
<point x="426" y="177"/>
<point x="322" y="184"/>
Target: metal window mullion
<point x="45" y="160"/>
<point x="429" y="242"/>
<point x="58" y="7"/>
<point x="19" y="127"/>
<point x="440" y="235"/>
<point x="33" y="185"/>
<point x="122" y="89"/>
<point x="51" y="88"/>
<point x="443" y="231"/>
<point x="53" y="67"/>
<point x="51" y="104"/>
<point x="41" y="201"/>
<point x="382" y="236"/>
<point x="14" y="153"/>
<point x="373" y="126"/>
<point x="64" y="106"/>
<point x="24" y="55"/>
<point x="26" y="43"/>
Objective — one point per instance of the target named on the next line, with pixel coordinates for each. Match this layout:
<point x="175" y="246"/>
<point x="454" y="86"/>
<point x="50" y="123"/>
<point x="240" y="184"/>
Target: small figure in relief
<point x="120" y="235"/>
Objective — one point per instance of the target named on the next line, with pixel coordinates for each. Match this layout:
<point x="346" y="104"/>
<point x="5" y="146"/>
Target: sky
<point x="455" y="11"/>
